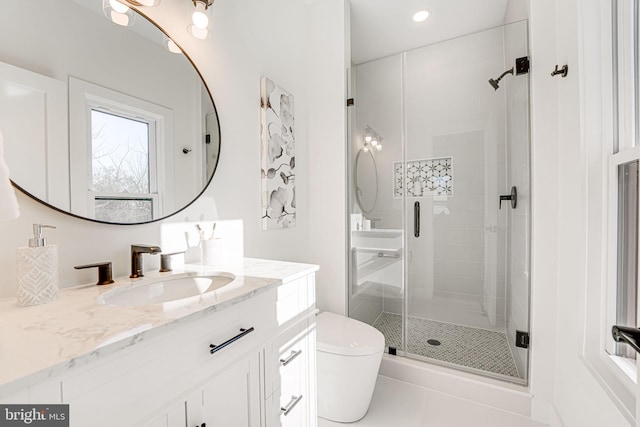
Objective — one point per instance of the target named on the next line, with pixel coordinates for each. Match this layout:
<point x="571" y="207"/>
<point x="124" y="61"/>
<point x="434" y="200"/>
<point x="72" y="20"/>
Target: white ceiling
<point x="381" y="28"/>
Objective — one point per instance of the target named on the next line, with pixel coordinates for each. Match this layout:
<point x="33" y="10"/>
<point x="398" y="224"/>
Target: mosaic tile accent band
<point x="461" y="345"/>
<point x="428" y="177"/>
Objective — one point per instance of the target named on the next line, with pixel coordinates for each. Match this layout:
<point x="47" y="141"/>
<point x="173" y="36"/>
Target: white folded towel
<point x="8" y="202"/>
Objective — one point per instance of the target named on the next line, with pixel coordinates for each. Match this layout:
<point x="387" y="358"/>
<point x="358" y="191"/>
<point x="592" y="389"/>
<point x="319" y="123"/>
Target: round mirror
<point x="103" y="121"/>
<point x="366" y="180"/>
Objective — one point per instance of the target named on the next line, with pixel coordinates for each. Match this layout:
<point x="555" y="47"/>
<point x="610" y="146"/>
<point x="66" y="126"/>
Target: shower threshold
<point x="456" y="344"/>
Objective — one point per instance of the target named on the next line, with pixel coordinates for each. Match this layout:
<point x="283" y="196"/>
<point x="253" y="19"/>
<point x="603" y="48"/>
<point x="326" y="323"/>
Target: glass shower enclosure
<point x="439" y="201"/>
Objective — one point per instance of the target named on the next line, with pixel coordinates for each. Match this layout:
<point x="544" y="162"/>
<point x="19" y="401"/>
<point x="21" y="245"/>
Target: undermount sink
<point x="165" y="290"/>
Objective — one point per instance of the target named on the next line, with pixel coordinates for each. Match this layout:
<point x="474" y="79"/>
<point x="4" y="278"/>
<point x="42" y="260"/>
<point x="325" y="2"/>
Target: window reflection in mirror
<point x="120" y="180"/>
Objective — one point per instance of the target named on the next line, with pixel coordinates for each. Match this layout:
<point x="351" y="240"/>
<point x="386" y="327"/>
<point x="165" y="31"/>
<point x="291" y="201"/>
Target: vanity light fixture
<point x="421" y="15"/>
<point x="200" y="19"/>
<point x="372" y="140"/>
<point x="118" y="12"/>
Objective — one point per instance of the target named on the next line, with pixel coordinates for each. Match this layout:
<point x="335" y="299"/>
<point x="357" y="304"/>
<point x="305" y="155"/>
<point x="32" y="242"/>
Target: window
<point x="122" y="167"/>
<point x="120" y="154"/>
<point x="622" y="305"/>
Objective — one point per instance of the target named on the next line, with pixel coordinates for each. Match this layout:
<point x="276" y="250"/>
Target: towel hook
<point x="562" y="71"/>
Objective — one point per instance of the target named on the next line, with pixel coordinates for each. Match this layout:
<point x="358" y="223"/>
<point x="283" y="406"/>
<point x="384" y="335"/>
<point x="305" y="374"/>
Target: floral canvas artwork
<point x="278" y="156"/>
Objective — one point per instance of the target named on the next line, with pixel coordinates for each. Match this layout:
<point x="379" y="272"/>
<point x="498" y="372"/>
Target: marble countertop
<point x="43" y="341"/>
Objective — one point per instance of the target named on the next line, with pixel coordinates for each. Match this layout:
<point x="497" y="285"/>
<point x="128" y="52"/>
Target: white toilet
<point x="349" y="353"/>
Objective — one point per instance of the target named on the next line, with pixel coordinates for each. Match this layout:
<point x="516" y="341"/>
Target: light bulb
<point x="172" y="46"/>
<point x="420" y="16"/>
<point x="199" y="17"/>
<point x="374" y="142"/>
<point x="365" y="149"/>
<point x="379" y="147"/>
<point x="120" y="18"/>
<point x="367" y="138"/>
<point x="118" y="7"/>
<point x="199" y="33"/>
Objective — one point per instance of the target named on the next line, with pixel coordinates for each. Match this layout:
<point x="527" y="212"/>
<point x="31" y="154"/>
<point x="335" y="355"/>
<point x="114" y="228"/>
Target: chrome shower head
<point x="494" y="83"/>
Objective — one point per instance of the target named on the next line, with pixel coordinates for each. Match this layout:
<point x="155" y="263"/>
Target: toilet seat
<point x="348" y="337"/>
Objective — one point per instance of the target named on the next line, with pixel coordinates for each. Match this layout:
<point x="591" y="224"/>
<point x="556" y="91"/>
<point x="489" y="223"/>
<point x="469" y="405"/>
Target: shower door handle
<point x="416" y="219"/>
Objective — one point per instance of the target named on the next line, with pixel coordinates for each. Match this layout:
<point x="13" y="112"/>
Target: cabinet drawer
<point x="287" y="360"/>
<point x="292" y="299"/>
<point x="288" y="410"/>
<point x="140" y="383"/>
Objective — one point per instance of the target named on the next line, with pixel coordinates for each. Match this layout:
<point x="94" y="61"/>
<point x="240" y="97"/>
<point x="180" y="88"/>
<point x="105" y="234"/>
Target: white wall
<point x="328" y="22"/>
<point x="249" y="39"/>
<point x="561" y="383"/>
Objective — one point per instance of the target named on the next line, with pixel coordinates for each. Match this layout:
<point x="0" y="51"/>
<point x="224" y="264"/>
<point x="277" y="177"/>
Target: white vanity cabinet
<point x="263" y="360"/>
<point x="227" y="399"/>
<point x="289" y="358"/>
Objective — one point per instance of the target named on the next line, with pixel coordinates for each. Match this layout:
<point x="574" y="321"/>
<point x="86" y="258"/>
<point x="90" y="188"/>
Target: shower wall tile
<point x="455" y="217"/>
<point x="366" y="303"/>
<point x="469" y="287"/>
<point x="474" y="204"/>
<point x="474" y="319"/>
<point x="459" y="236"/>
<point x="453" y="300"/>
<point x="393" y="306"/>
<point x="454" y="269"/>
<point x="367" y="310"/>
<point x="462" y="253"/>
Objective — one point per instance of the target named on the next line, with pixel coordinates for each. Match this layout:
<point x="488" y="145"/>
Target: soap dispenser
<point x="37" y="270"/>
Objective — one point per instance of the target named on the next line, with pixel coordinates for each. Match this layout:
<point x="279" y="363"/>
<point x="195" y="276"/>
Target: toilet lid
<point x="342" y="335"/>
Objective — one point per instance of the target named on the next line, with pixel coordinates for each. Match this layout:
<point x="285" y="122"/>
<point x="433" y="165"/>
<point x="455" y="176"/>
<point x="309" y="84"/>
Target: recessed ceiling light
<point x="421" y="15"/>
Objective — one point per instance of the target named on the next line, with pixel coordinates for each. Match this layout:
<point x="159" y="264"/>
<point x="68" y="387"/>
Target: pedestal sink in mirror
<point x="165" y="290"/>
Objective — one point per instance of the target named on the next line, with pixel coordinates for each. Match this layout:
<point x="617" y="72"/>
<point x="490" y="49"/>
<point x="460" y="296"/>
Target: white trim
<point x="39" y="166"/>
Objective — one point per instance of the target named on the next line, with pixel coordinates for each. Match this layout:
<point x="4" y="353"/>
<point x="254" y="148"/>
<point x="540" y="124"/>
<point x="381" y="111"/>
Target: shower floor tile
<point x="461" y="345"/>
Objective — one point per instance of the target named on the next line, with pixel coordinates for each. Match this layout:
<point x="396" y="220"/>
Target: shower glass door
<point x="467" y="146"/>
<point x="440" y="210"/>
<point x="377" y="237"/>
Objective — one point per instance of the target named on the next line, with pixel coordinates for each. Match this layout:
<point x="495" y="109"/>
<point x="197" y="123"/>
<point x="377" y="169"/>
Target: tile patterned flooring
<point x="398" y="404"/>
<point x="461" y="345"/>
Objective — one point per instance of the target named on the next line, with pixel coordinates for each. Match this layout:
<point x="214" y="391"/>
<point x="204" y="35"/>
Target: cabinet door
<point x="174" y="417"/>
<point x="232" y="397"/>
<point x="194" y="408"/>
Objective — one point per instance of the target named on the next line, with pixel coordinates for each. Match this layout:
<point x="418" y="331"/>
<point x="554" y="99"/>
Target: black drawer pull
<point x="292" y="356"/>
<point x="292" y="404"/>
<point x="242" y="333"/>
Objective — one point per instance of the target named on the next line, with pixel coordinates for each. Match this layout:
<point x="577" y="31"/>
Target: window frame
<point x="615" y="161"/>
<point x="155" y="145"/>
<point x="607" y="141"/>
<point x="85" y="97"/>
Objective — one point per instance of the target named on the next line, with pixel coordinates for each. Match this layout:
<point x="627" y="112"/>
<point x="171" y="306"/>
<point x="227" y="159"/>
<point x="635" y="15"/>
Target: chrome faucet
<point x="136" y="258"/>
